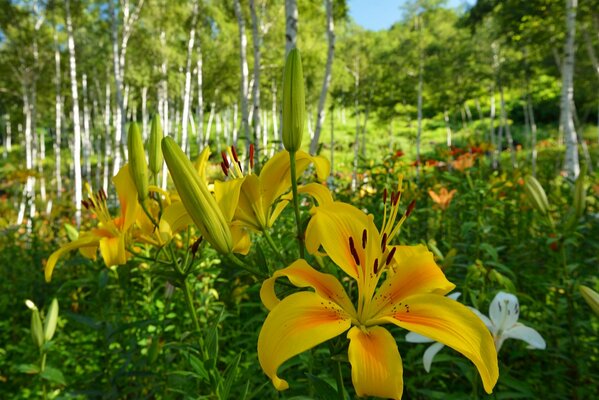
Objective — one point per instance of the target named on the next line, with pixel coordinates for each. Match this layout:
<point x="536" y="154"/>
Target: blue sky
<point x="381" y="14"/>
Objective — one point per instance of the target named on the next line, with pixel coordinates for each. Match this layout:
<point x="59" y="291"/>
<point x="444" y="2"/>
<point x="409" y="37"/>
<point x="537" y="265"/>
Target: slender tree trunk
<point x="235" y="125"/>
<point x="275" y="128"/>
<point x="107" y="138"/>
<point x="506" y="127"/>
<point x="187" y="92"/>
<point x="256" y="87"/>
<point x="58" y="118"/>
<point x="218" y="132"/>
<point x="200" y="110"/>
<point x="8" y="137"/>
<point x="87" y="145"/>
<point x="28" y="191"/>
<point x="320" y="113"/>
<point x="447" y="128"/>
<point x="291" y="19"/>
<point x="571" y="163"/>
<point x="244" y="74"/>
<point x="76" y="125"/>
<point x="492" y="129"/>
<point x="356" y="74"/>
<point x="419" y="131"/>
<point x="209" y="125"/>
<point x="332" y="143"/>
<point x="144" y="112"/>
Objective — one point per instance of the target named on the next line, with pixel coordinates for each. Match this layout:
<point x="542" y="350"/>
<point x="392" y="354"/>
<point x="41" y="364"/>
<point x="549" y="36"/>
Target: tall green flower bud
<point x="138" y="166"/>
<point x="51" y="320"/>
<point x="197" y="199"/>
<point x="536" y="194"/>
<point x="294" y="102"/>
<point x="37" y="332"/>
<point x="154" y="150"/>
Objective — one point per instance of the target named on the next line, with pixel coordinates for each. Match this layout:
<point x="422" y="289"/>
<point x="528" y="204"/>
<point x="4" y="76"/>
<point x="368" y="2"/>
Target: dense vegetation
<point x="470" y="101"/>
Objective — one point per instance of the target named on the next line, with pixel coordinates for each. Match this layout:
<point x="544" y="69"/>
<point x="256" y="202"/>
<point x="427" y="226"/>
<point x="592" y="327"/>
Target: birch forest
<point x="179" y="179"/>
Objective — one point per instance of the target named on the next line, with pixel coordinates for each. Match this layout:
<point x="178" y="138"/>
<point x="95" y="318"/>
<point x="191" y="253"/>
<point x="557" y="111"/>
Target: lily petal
<point x="227" y="196"/>
<point x="483" y="318"/>
<point x="319" y="192"/>
<point x="297" y="324"/>
<point x="301" y="274"/>
<point x="174" y="219"/>
<point x="332" y="225"/>
<point x="452" y="324"/>
<point x="416" y="272"/>
<point x="241" y="239"/>
<point x="527" y="334"/>
<point x="504" y="311"/>
<point x="127" y="193"/>
<point x="113" y="250"/>
<point x="376" y="364"/>
<point x="84" y="241"/>
<point x="429" y="355"/>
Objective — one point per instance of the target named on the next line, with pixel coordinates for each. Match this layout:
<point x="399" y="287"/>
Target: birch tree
<point x="256" y="36"/>
<point x="187" y="91"/>
<point x="291" y="20"/>
<point x="244" y="73"/>
<point x="320" y="114"/>
<point x="571" y="163"/>
<point x="119" y="58"/>
<point x="76" y="122"/>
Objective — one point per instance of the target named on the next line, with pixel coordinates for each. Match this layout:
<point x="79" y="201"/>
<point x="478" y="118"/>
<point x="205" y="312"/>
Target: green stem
<point x="192" y="310"/>
<point x="339" y="378"/>
<point x="245" y="267"/>
<point x="273" y="246"/>
<point x="145" y="210"/>
<point x="300" y="235"/>
<point x="42" y="368"/>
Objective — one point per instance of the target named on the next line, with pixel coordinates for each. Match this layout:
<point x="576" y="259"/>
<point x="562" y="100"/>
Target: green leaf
<point x="53" y="375"/>
<point x="230" y="376"/>
<point x="322" y="388"/>
<point x="72" y="232"/>
<point x="28" y="369"/>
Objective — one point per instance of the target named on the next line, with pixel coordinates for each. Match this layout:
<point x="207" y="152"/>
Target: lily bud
<point x="138" y="167"/>
<point x="591" y="297"/>
<point x="154" y="150"/>
<point x="536" y="194"/>
<point x="579" y="194"/>
<point x="51" y="320"/>
<point x="294" y="102"/>
<point x="197" y="199"/>
<point x="37" y="332"/>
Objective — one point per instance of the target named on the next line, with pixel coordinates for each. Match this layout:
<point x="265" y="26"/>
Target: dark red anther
<point x="85" y="204"/>
<point x="384" y="242"/>
<point x="410" y="208"/>
<point x="251" y="155"/>
<point x="376" y="266"/>
<point x="390" y="256"/>
<point x="225" y="159"/>
<point x="397" y="195"/>
<point x="364" y="239"/>
<point x="385" y="196"/>
<point x="224" y="168"/>
<point x="195" y="246"/>
<point x="354" y="253"/>
<point x="104" y="197"/>
<point x="234" y="154"/>
<point x="240" y="167"/>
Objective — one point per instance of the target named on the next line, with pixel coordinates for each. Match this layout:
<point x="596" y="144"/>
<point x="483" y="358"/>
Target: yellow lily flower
<point x="411" y="296"/>
<point x="112" y="233"/>
<point x="254" y="200"/>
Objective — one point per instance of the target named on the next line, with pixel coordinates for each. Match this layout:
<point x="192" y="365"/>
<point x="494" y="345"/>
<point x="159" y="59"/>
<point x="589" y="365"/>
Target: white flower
<point x="503" y="324"/>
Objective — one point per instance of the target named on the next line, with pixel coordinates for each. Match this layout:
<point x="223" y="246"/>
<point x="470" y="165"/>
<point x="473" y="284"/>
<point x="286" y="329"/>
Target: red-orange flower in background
<point x="443" y="198"/>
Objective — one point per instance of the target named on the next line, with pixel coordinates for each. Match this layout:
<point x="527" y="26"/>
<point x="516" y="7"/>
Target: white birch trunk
<point x="144" y="112"/>
<point x="506" y="126"/>
<point x="107" y="138"/>
<point x="291" y="20"/>
<point x="58" y="118"/>
<point x="257" y="39"/>
<point x="209" y="125"/>
<point x="419" y="129"/>
<point x="447" y="128"/>
<point x="492" y="129"/>
<point x="8" y="137"/>
<point x="187" y="92"/>
<point x="320" y="112"/>
<point x="76" y="125"/>
<point x="217" y="136"/>
<point x="571" y="163"/>
<point x="235" y="125"/>
<point x="200" y="110"/>
<point x="356" y="74"/>
<point x="87" y="144"/>
<point x="244" y="74"/>
<point x="275" y="128"/>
